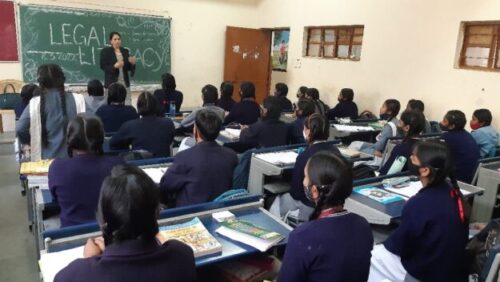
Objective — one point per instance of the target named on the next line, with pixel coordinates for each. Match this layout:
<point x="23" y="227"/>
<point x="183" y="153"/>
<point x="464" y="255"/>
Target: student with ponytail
<point x="316" y="132"/>
<point x="151" y="132"/>
<point x="75" y="182"/>
<point x="335" y="245"/>
<point x="412" y="124"/>
<point x="43" y="124"/>
<point x="429" y="244"/>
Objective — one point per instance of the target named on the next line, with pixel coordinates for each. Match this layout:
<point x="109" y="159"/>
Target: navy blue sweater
<point x="297" y="189"/>
<point x="113" y="116"/>
<point x="286" y="105"/>
<point x="265" y="133"/>
<point x="404" y="149"/>
<point x="226" y="103"/>
<point x="431" y="239"/>
<point x="150" y="133"/>
<point x="295" y="130"/>
<point x="343" y="109"/>
<point x="165" y="97"/>
<point x="465" y="153"/>
<point x="245" y="112"/>
<point x="134" y="260"/>
<point x="336" y="248"/>
<point x="200" y="174"/>
<point x="75" y="183"/>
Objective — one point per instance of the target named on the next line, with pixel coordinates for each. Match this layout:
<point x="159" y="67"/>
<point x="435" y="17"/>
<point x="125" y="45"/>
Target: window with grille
<point x="341" y="42"/>
<point x="481" y="46"/>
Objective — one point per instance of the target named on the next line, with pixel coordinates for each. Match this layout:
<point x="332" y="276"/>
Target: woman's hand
<point x="132" y="60"/>
<point x="378" y="154"/>
<point x="119" y="65"/>
<point x="93" y="247"/>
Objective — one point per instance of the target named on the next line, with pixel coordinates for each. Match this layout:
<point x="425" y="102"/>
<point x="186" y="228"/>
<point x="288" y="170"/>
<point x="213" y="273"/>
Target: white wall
<point x="198" y="36"/>
<point x="409" y="50"/>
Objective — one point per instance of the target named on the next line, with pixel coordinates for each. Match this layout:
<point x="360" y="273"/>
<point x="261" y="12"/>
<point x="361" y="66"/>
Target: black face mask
<point x="385" y="116"/>
<point x="443" y="128"/>
<point x="413" y="169"/>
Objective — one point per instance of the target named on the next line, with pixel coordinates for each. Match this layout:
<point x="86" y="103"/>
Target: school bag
<point x="9" y="100"/>
<point x="483" y="248"/>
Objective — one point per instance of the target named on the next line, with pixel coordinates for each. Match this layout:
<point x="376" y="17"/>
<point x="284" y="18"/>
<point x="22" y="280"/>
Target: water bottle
<point x="397" y="165"/>
<point x="172" y="108"/>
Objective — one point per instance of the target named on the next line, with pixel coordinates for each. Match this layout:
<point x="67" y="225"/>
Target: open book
<point x="39" y="167"/>
<point x="249" y="234"/>
<point x="349" y="153"/>
<point x="194" y="234"/>
<point x="410" y="189"/>
<point x="380" y="195"/>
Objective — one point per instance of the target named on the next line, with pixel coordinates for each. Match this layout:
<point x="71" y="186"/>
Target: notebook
<point x="247" y="233"/>
<point x="156" y="173"/>
<point x="39" y="167"/>
<point x="281" y="158"/>
<point x="231" y="133"/>
<point x="51" y="263"/>
<point x="380" y="195"/>
<point x="410" y="189"/>
<point x="352" y="128"/>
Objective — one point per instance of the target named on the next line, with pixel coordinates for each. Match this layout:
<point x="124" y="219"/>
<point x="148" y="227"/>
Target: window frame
<point x="351" y="31"/>
<point x="494" y="46"/>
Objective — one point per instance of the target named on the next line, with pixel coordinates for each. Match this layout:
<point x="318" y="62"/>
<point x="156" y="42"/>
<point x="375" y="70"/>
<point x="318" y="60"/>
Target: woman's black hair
<point x="457" y="119"/>
<point x="247" y="89"/>
<point x="209" y="94"/>
<point x="416" y="121"/>
<point x="281" y="89"/>
<point x="51" y="76"/>
<point x="113" y="33"/>
<point x="305" y="107"/>
<point x="226" y="89"/>
<point x="208" y="123"/>
<point x="116" y="93"/>
<point x="95" y="88"/>
<point x="168" y="81"/>
<point x="313" y="93"/>
<point x="27" y="92"/>
<point x="128" y="206"/>
<point x="85" y="133"/>
<point x="332" y="176"/>
<point x="416" y="105"/>
<point x="347" y="94"/>
<point x="435" y="155"/>
<point x="303" y="90"/>
<point x="273" y="107"/>
<point x="319" y="127"/>
<point x="393" y="106"/>
<point x="482" y="115"/>
<point x="147" y="105"/>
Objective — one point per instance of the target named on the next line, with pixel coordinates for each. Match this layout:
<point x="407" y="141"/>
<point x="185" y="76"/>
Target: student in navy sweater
<point x="412" y="124"/>
<point x="320" y="107"/>
<point x="268" y="132"/>
<point x="418" y="105"/>
<point x="151" y="132"/>
<point x="464" y="149"/>
<point x="205" y="171"/>
<point x="429" y="244"/>
<point x="280" y="91"/>
<point x="316" y="131"/>
<point x="96" y="97"/>
<point x="226" y="101"/>
<point x="131" y="248"/>
<point x="335" y="245"/>
<point x="75" y="182"/>
<point x="345" y="107"/>
<point x="27" y="92"/>
<point x="116" y="113"/>
<point x="305" y="108"/>
<point x="247" y="111"/>
<point x="167" y="95"/>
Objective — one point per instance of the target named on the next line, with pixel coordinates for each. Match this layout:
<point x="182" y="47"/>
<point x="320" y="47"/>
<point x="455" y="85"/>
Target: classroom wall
<point x="198" y="36"/>
<point x="409" y="50"/>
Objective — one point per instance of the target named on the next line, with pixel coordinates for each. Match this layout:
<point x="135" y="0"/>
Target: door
<point x="247" y="58"/>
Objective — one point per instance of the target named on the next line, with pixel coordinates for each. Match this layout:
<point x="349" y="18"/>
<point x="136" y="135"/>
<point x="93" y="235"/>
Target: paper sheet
<point x="156" y="173"/>
<point x="413" y="188"/>
<point x="52" y="263"/>
<point x="279" y="158"/>
<point x="231" y="133"/>
<point x="352" y="128"/>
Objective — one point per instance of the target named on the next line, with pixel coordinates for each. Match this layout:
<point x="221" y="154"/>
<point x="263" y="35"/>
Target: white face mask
<point x="305" y="135"/>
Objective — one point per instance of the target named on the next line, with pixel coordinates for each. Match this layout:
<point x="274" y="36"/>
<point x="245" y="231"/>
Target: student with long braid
<point x="43" y="125"/>
<point x="335" y="245"/>
<point x="429" y="244"/>
<point x="151" y="132"/>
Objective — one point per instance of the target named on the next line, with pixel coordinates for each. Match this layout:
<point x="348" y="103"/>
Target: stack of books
<point x="249" y="234"/>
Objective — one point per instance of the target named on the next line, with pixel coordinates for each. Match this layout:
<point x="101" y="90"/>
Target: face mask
<point x="305" y="135"/>
<point x="443" y="128"/>
<point x="474" y="126"/>
<point x="414" y="169"/>
<point x="308" y="193"/>
<point x="385" y="116"/>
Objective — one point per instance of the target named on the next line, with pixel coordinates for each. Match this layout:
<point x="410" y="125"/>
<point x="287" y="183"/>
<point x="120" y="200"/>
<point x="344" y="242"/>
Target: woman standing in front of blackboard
<point x="116" y="63"/>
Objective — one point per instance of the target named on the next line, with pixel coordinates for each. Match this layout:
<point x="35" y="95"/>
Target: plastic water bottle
<point x="171" y="109"/>
<point x="397" y="165"/>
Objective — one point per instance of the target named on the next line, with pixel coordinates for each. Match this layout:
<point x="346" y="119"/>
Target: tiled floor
<point x="17" y="250"/>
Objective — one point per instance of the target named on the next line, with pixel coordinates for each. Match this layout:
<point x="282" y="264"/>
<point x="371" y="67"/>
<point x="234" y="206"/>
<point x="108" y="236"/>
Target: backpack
<point x="483" y="248"/>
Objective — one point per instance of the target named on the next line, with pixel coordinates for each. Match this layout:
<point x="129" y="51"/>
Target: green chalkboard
<point x="74" y="38"/>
